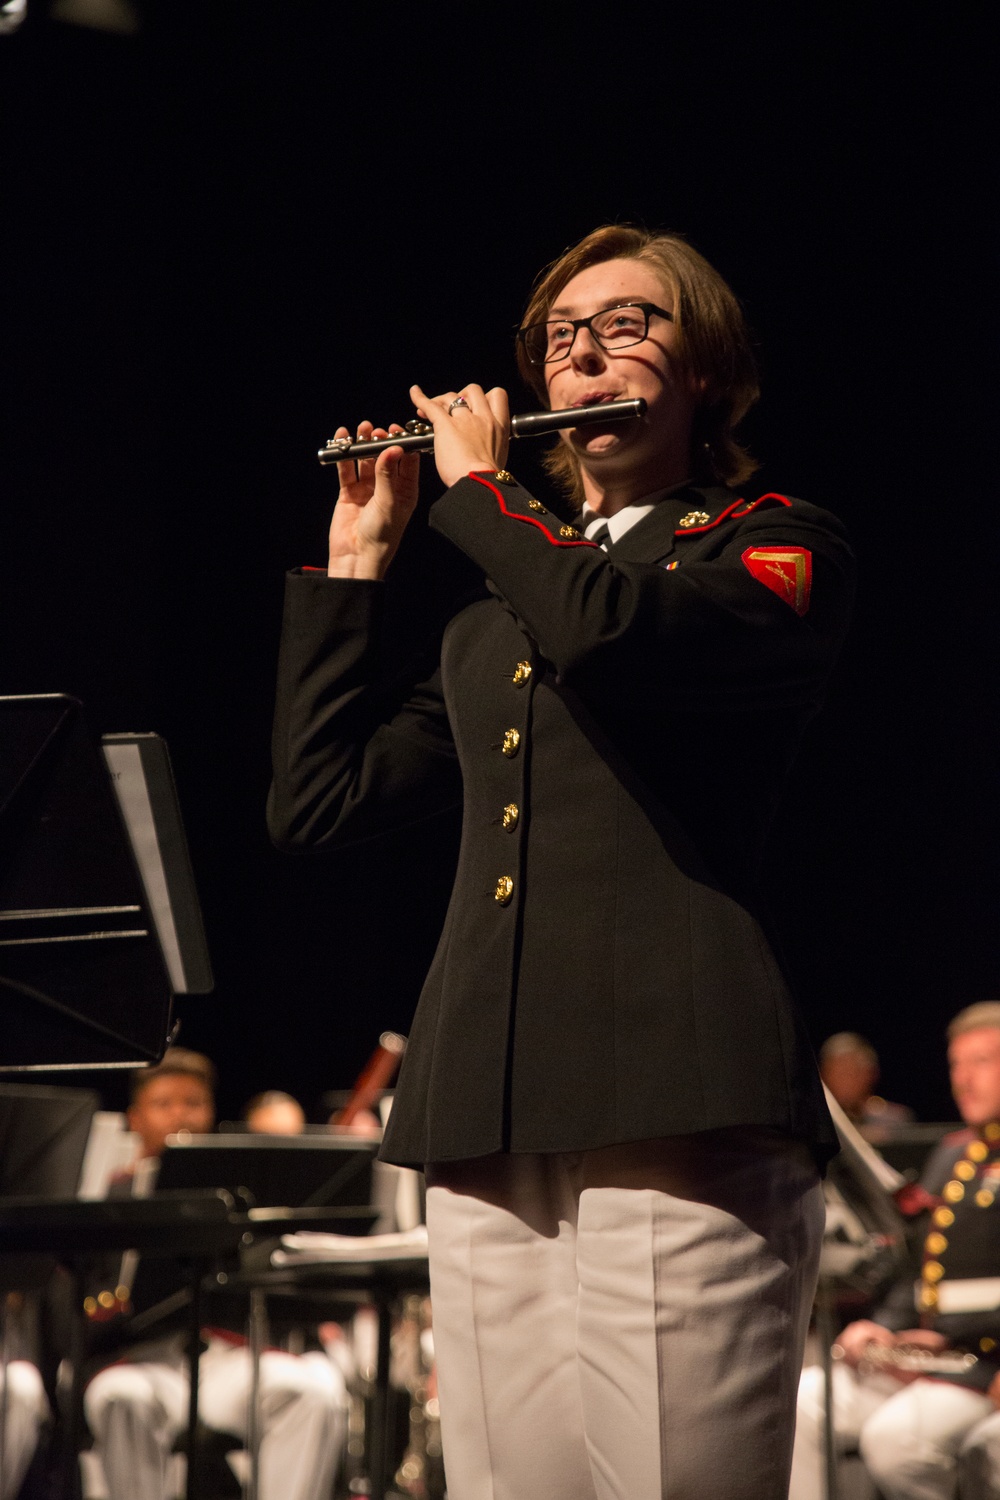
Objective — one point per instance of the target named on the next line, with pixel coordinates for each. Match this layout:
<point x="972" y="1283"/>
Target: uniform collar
<point x="644" y="531"/>
<point x="653" y="536"/>
<point x="623" y="520"/>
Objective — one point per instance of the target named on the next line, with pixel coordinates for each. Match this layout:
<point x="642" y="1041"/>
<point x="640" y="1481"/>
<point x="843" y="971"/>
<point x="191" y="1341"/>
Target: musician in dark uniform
<point x="914" y="1435"/>
<point x="606" y="1077"/>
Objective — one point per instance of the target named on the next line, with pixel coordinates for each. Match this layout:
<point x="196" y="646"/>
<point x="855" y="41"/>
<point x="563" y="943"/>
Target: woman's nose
<point x="586" y="353"/>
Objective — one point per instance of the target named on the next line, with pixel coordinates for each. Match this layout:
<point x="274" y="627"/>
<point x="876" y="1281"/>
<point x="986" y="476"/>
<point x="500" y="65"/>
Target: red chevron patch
<point x="786" y="571"/>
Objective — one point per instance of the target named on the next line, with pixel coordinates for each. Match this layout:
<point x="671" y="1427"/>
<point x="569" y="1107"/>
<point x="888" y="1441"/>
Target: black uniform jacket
<point x="617" y="726"/>
<point x="957" y="1240"/>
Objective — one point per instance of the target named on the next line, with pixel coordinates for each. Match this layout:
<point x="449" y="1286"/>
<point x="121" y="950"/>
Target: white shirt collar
<point x="629" y="515"/>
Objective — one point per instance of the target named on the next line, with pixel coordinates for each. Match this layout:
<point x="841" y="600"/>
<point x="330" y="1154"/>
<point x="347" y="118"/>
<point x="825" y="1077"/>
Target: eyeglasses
<point x="613" y="328"/>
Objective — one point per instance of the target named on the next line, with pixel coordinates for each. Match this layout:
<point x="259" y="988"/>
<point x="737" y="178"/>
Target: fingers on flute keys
<point x="365" y="433"/>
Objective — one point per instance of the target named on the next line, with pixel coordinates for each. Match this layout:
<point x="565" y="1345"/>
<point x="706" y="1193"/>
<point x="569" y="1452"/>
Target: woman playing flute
<point x="607" y="1081"/>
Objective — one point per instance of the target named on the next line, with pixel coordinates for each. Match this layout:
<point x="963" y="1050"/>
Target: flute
<point x="419" y="436"/>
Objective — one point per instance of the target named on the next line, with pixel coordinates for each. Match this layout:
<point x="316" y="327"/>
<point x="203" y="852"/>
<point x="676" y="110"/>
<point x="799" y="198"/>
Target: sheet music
<point x="311" y="1248"/>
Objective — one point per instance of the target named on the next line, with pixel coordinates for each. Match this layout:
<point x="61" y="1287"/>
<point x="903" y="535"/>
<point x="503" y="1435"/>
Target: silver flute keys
<point x="419" y="436"/>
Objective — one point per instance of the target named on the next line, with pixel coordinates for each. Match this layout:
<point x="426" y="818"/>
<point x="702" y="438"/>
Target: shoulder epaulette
<point x="697" y="521"/>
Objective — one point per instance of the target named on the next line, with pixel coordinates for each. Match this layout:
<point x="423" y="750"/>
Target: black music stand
<point x="93" y="940"/>
<point x="281" y="1183"/>
<point x="198" y="1227"/>
<point x="99" y="927"/>
<point x="143" y="782"/>
<point x="276" y="1171"/>
<point x="289" y="1183"/>
<point x="43" y="1137"/>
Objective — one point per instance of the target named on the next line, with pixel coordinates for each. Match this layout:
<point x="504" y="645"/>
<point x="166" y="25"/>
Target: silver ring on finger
<point x="458" y="401"/>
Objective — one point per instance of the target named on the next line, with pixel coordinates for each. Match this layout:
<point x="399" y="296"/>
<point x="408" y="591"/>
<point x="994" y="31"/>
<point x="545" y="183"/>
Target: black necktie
<point x="602" y="536"/>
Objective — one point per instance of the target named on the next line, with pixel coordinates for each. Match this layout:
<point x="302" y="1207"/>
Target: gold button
<point x="929" y="1297"/>
<point x="935" y="1244"/>
<point x="954" y="1191"/>
<point x="965" y="1170"/>
<point x="933" y="1270"/>
<point x="521" y="673"/>
<point x="504" y="890"/>
<point x="984" y="1197"/>
<point x="90" y="1306"/>
<point x="537" y="505"/>
<point x="570" y="532"/>
<point x="122" y="1294"/>
<point x="511" y="741"/>
<point x="992" y="1131"/>
<point x="978" y="1151"/>
<point x="944" y="1217"/>
<point x="987" y="1344"/>
<point x="511" y="813"/>
<point x="106" y="1299"/>
<point x="695" y="518"/>
<point x="504" y="477"/>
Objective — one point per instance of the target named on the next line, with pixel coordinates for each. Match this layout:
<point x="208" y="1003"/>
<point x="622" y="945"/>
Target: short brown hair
<point x="268" y="1098"/>
<point x="176" y="1060"/>
<point x="714" y="337"/>
<point x="974" y="1017"/>
<point x="848" y="1044"/>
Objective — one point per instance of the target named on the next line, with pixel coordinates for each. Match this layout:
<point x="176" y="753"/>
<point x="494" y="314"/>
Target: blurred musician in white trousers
<point x="979" y="1462"/>
<point x="137" y="1407"/>
<point x="24" y="1410"/>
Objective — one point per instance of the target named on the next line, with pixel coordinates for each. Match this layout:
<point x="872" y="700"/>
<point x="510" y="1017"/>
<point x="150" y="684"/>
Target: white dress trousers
<point x="626" y="1323"/>
<point x="136" y="1411"/>
<point x="912" y="1438"/>
<point x="979" y="1461"/>
<point x="25" y="1408"/>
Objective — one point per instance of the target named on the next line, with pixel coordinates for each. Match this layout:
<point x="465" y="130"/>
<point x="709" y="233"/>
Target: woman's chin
<point x="598" y="445"/>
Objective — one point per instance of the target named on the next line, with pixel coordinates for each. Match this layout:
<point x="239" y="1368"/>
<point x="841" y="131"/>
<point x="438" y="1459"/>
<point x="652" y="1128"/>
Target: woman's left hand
<point x="473" y="436"/>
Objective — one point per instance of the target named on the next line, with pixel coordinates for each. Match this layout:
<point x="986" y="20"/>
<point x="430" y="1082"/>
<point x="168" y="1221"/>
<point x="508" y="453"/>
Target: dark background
<point x="245" y="224"/>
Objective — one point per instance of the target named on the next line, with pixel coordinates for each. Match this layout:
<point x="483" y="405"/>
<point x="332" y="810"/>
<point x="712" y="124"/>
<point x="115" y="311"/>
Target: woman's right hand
<point x="377" y="498"/>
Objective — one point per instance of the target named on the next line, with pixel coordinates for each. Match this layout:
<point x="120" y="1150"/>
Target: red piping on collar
<point x="771" y="495"/>
<point x="731" y="512"/>
<point x="516" y="516"/>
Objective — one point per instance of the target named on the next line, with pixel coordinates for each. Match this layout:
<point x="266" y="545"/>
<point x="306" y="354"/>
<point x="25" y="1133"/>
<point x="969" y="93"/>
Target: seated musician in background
<point x="178" y="1094"/>
<point x="138" y="1406"/>
<point x="274" y="1113"/>
<point x="365" y="1124"/>
<point x="913" y="1436"/>
<point x="849" y="1067"/>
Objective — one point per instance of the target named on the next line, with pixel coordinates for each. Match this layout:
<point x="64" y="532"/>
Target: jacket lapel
<point x="652" y="539"/>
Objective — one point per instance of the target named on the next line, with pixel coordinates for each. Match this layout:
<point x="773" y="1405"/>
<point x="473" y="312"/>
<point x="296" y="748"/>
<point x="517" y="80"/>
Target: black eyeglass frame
<point x="646" y="308"/>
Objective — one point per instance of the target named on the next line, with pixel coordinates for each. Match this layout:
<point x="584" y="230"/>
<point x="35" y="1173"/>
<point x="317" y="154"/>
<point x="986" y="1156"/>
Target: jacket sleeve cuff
<point x="486" y="502"/>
